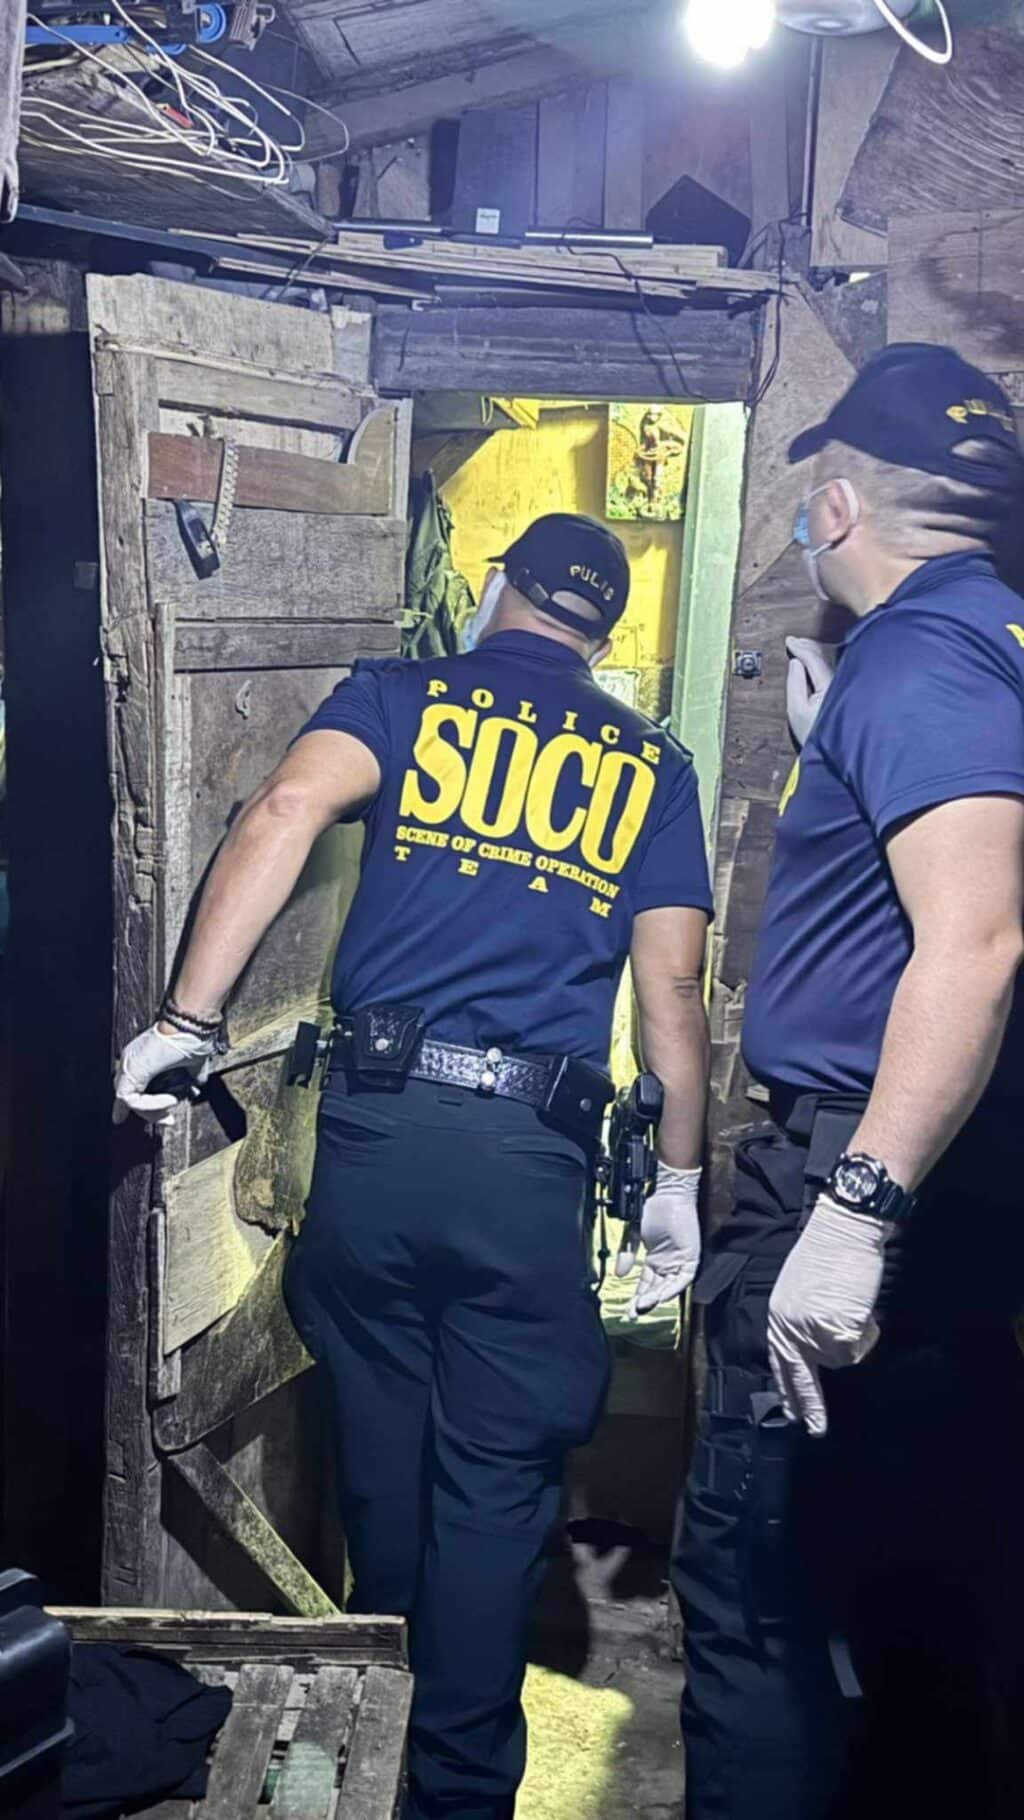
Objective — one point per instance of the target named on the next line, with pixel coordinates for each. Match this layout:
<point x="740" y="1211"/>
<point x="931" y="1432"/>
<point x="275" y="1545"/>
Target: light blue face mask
<point x="802" y="533"/>
<point x="475" y="628"/>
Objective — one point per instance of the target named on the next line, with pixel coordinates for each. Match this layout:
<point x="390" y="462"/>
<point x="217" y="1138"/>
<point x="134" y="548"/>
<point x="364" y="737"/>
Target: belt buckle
<point x="488" y="1079"/>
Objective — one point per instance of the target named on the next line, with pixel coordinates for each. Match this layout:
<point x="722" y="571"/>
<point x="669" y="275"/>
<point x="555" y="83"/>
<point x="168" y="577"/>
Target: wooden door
<point x="216" y="1488"/>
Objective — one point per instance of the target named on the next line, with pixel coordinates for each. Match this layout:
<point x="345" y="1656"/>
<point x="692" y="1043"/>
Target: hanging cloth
<point x="437" y="598"/>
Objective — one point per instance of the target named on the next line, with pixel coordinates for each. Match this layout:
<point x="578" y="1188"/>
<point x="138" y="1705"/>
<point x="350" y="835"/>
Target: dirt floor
<point x="602" y="1693"/>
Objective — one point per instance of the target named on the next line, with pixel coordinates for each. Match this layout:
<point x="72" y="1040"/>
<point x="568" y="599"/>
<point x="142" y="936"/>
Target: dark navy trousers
<point x="855" y="1604"/>
<point x="442" y="1277"/>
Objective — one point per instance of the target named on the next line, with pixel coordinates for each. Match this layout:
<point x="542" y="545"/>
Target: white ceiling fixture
<point x="722" y="32"/>
<point x="849" y="18"/>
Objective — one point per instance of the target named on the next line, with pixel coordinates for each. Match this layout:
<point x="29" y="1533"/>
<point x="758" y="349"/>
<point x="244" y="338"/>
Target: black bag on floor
<point x="143" y="1727"/>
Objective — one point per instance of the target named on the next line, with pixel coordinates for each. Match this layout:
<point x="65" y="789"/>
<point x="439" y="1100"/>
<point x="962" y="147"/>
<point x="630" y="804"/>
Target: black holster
<point x="823" y="1123"/>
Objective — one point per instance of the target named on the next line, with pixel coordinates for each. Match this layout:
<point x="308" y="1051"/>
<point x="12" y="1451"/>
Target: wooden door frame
<point x="59" y="1178"/>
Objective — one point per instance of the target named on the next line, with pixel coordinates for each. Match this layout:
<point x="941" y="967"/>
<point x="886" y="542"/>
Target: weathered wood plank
<point x="496" y="169"/>
<point x="812" y="374"/>
<point x="699" y="129"/>
<point x="944" y="138"/>
<point x="126" y="408"/>
<point x="625" y="138"/>
<point x="262" y="644"/>
<point x="856" y="315"/>
<point x="696" y="354"/>
<point x="378" y="447"/>
<point x="570" y="157"/>
<point x="281" y="565"/>
<point x="237" y="391"/>
<point x="854" y="72"/>
<point x="164" y="1373"/>
<point x="375" y="119"/>
<point x="237" y="1514"/>
<point x="246" y="1356"/>
<point x="211" y="1255"/>
<point x="230" y="1637"/>
<point x="242" y="1752"/>
<point x="351" y="335"/>
<point x="305" y="1787"/>
<point x="163" y="317"/>
<point x="372" y="1785"/>
<point x="402" y="464"/>
<point x="958" y="279"/>
<point x="189" y="467"/>
<point x="769" y="144"/>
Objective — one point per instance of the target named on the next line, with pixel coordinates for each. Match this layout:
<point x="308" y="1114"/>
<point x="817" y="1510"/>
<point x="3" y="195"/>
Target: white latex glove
<point x="811" y="669"/>
<point x="822" y="1307"/>
<point x="670" y="1233"/>
<point x="151" y="1054"/>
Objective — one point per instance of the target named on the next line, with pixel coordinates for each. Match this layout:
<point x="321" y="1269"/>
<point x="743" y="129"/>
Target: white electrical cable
<point x="250" y="155"/>
<point x="917" y="44"/>
<point x="293" y="94"/>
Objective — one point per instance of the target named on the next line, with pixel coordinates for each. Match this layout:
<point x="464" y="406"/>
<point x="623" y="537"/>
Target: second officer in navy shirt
<point x="851" y="1565"/>
<point x="525" y="832"/>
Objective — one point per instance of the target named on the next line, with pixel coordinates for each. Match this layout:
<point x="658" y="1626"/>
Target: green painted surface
<point x="710" y="548"/>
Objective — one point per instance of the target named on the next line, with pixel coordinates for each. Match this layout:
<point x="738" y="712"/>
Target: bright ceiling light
<point x="723" y="31"/>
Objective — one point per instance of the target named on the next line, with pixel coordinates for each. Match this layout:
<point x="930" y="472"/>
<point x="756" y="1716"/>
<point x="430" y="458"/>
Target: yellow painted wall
<point x="560" y="467"/>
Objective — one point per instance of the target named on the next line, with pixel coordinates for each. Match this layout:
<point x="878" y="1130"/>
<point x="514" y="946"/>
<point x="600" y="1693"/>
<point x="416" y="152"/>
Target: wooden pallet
<point x="319" y="1716"/>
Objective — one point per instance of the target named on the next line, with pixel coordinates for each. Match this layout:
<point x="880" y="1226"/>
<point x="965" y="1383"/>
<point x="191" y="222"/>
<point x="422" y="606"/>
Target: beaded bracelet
<point x="189" y="1022"/>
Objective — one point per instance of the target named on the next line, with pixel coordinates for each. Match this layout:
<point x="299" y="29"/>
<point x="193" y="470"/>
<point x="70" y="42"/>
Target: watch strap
<point x="889" y="1201"/>
<point x="894" y="1203"/>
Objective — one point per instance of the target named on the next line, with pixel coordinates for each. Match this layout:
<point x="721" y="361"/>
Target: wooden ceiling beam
<point x="376" y="119"/>
<point x="698" y="354"/>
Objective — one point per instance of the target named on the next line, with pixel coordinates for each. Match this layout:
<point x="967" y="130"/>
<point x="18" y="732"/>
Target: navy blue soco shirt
<point x="927" y="706"/>
<point x="524" y="818"/>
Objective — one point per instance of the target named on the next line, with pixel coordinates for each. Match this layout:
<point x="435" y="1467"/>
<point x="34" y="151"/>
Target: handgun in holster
<point x="627" y="1170"/>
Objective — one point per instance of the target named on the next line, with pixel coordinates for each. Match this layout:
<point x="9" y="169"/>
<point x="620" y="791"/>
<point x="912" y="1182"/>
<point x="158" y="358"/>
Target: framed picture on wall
<point x="648" y="452"/>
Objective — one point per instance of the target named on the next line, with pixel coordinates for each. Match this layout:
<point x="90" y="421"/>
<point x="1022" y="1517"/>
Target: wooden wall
<point x="920" y="181"/>
<point x="568" y="147"/>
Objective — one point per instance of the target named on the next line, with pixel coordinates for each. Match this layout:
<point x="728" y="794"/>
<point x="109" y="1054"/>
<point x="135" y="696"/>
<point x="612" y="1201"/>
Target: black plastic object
<point x="197" y="538"/>
<point x="690" y="215"/>
<point x="306" y="1052"/>
<point x="35" y="1662"/>
<point x="577" y="1095"/>
<point x="178" y="1081"/>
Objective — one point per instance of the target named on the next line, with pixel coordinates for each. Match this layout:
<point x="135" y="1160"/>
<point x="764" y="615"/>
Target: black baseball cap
<point x="567" y="553"/>
<point x="912" y="405"/>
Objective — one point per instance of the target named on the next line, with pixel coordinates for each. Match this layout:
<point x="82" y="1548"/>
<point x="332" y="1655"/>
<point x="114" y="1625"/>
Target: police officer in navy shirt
<point x="525" y="832"/>
<point x="850" y="1566"/>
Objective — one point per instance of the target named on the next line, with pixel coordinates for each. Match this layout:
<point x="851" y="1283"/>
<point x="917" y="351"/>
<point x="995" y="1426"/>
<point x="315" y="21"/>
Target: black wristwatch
<point x="864" y="1185"/>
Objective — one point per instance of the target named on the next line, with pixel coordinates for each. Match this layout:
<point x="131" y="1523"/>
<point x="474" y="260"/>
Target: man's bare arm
<point x="959" y="872"/>
<point x="324" y="776"/>
<point x="667" y="959"/>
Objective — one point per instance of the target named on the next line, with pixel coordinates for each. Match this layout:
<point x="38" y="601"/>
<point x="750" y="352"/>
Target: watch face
<point x="858" y="1179"/>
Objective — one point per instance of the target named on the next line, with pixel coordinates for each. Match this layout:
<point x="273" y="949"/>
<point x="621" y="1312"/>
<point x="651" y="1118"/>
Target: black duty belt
<point x="798" y="1112"/>
<point x="487" y="1071"/>
<point x="384" y="1045"/>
